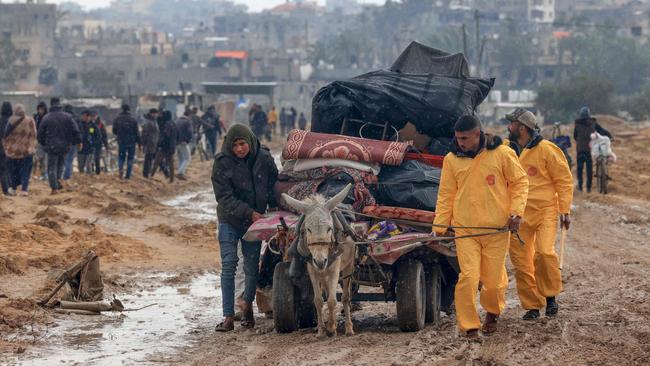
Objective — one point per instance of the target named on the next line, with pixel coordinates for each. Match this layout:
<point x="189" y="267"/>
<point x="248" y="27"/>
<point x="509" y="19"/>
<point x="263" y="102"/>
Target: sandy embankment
<point x="124" y="222"/>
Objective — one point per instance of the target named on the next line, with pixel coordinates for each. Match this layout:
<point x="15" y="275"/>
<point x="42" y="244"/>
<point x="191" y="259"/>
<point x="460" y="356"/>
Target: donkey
<point x="331" y="254"/>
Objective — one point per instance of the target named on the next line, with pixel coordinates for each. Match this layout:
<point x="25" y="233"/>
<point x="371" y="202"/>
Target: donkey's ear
<point x="295" y="204"/>
<point x="334" y="201"/>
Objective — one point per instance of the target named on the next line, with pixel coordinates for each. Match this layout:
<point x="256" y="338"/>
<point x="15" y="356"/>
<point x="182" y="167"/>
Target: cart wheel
<point x="433" y="295"/>
<point x="284" y="306"/>
<point x="411" y="296"/>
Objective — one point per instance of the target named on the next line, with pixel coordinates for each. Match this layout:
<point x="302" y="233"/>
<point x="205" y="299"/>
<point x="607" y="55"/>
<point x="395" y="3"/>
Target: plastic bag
<point x="410" y="185"/>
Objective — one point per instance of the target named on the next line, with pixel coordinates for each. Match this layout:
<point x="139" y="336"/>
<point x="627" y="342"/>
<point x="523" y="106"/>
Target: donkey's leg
<point x="332" y="284"/>
<point x="318" y="298"/>
<point x="346" y="299"/>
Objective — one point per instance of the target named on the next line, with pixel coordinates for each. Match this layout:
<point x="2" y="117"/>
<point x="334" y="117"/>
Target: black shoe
<point x="551" y="306"/>
<point x="531" y="315"/>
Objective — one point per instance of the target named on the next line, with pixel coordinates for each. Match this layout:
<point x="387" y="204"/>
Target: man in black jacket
<point x="585" y="125"/>
<point x="57" y="133"/>
<point x="243" y="176"/>
<point x="125" y="128"/>
<point x="211" y="127"/>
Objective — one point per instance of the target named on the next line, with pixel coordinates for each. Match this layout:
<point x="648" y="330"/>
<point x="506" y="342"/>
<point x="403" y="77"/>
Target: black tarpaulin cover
<point x="420" y="59"/>
<point x="411" y="185"/>
<point x="432" y="102"/>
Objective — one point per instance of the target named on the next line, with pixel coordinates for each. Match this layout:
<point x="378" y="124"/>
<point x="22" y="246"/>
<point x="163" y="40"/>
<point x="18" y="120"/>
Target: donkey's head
<point x="318" y="225"/>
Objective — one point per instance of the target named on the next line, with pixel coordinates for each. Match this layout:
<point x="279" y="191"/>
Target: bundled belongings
<point x="326" y="163"/>
<point x="430" y="91"/>
<point x="309" y="145"/>
<point x="399" y="213"/>
<point x="601" y="146"/>
<point x="326" y="181"/>
<point x="410" y="185"/>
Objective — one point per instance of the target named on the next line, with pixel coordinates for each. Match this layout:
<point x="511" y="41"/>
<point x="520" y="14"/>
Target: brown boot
<point x="472" y="335"/>
<point x="490" y="324"/>
<point x="248" y="319"/>
<point x="226" y="325"/>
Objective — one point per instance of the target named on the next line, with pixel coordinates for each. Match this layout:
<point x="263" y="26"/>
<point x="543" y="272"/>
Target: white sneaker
<point x="23" y="194"/>
<point x="11" y="192"/>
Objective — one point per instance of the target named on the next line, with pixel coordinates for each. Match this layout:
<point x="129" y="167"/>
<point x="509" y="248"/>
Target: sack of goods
<point x="601" y="146"/>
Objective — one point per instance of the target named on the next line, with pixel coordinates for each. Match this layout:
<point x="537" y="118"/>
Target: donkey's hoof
<point x="331" y="333"/>
<point x="349" y="330"/>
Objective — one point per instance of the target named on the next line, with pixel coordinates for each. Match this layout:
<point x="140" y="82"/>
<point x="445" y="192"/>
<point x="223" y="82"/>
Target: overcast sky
<point x="254" y="5"/>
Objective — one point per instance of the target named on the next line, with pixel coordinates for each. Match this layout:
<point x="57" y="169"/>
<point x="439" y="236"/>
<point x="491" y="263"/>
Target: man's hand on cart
<point x="448" y="233"/>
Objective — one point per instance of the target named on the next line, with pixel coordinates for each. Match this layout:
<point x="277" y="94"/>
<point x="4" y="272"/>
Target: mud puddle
<point x="151" y="335"/>
<point x="199" y="206"/>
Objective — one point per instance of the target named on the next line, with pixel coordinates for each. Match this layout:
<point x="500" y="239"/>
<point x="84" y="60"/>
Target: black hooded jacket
<point x="168" y="137"/>
<point x="58" y="132"/>
<point x="242" y="186"/>
<point x="125" y="127"/>
<point x="584" y="127"/>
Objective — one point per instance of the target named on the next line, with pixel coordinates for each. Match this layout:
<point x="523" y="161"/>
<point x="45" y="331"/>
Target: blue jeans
<point x="125" y="152"/>
<point x="212" y="144"/>
<point x="229" y="238"/>
<point x="69" y="159"/>
<point x="184" y="157"/>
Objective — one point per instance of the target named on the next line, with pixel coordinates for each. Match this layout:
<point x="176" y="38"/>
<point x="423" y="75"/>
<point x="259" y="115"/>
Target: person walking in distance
<point x="125" y="127"/>
<point x="6" y="111"/>
<point x="98" y="139"/>
<point x="166" y="145"/>
<point x="40" y="163"/>
<point x="302" y="121"/>
<point x="183" y="148"/>
<point x="84" y="155"/>
<point x="57" y="134"/>
<point x="585" y="125"/>
<point x="19" y="147"/>
<point x="150" y="134"/>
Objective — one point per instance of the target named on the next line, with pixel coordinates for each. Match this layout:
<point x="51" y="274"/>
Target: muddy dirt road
<point x="157" y="246"/>
<point x="604" y="316"/>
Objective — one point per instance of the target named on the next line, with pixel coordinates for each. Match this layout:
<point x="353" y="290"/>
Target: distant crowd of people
<point x="48" y="143"/>
<point x="264" y="125"/>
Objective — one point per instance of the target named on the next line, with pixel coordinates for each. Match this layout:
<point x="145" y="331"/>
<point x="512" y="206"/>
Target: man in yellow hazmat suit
<point x="550" y="193"/>
<point x="482" y="185"/>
